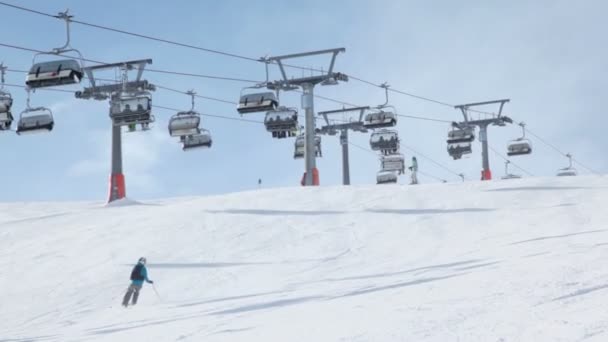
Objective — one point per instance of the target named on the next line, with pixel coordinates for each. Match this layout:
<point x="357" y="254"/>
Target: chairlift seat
<point x="257" y="102"/>
<point x="184" y="124"/>
<point x="380" y="119"/>
<point x="54" y="73"/>
<point x="456" y="150"/>
<point x="386" y="177"/>
<point x="132" y="109"/>
<point x="6" y="102"/>
<point x="458" y="135"/>
<point x="385" y="140"/>
<point x="393" y="162"/>
<point x="281" y="120"/>
<point x="38" y="123"/>
<point x="519" y="147"/>
<point x="300" y="147"/>
<point x="567" y="172"/>
<point x="202" y="140"/>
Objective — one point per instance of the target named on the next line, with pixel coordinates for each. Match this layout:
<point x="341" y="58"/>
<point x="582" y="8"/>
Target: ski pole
<point x="155" y="291"/>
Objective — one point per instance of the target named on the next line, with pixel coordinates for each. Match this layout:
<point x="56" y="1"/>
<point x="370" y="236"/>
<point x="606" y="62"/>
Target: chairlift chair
<point x="54" y="73"/>
<point x="282" y="122"/>
<point x="461" y="135"/>
<point x="386" y="177"/>
<point x="131" y="109"/>
<point x="380" y="118"/>
<point x="393" y="162"/>
<point x="385" y="140"/>
<point x="256" y="101"/>
<point x="567" y="171"/>
<point x="201" y="140"/>
<point x="184" y="124"/>
<point x="35" y="120"/>
<point x="6" y="117"/>
<point x="300" y="147"/>
<point x="520" y="146"/>
<point x="457" y="150"/>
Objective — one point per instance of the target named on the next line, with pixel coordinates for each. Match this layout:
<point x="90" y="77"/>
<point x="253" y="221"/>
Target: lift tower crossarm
<point x="343" y="128"/>
<point x="500" y="120"/>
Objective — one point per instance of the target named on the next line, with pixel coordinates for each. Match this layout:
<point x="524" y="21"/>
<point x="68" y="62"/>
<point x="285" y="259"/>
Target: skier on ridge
<point x="138" y="275"/>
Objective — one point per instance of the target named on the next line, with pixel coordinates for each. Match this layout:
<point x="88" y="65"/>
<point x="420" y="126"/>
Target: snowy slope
<point x="517" y="260"/>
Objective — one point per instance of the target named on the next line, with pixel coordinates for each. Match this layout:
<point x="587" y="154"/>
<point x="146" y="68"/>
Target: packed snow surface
<point x="515" y="260"/>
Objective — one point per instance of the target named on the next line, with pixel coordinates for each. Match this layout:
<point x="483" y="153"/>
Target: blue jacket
<point x="144" y="274"/>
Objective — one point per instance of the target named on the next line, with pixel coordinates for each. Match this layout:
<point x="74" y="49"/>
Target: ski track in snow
<point x="516" y="260"/>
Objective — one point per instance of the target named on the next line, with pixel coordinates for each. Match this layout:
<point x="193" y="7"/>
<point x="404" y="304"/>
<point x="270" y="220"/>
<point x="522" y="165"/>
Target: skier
<point x="138" y="275"/>
<point x="414" y="169"/>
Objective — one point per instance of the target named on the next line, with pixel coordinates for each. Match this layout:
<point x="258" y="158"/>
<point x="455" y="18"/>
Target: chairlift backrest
<point x="34" y="120"/>
<point x="257" y="102"/>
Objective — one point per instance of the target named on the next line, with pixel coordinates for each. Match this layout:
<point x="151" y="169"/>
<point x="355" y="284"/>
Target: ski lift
<point x="457" y="150"/>
<point x="56" y="72"/>
<point x="6" y="103"/>
<point x="300" y="147"/>
<point x="282" y="122"/>
<point x="252" y="101"/>
<point x="520" y="146"/>
<point x="185" y="123"/>
<point x="507" y="174"/>
<point x="567" y="171"/>
<point x="34" y="119"/>
<point x="386" y="177"/>
<point x="385" y="140"/>
<point x="379" y="117"/>
<point x="393" y="162"/>
<point x="201" y="140"/>
<point x="461" y="135"/>
<point x="131" y="109"/>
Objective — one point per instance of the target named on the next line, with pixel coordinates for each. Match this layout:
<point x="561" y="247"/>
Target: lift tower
<point x="307" y="84"/>
<point x="499" y="120"/>
<point x="111" y="91"/>
<point x="333" y="129"/>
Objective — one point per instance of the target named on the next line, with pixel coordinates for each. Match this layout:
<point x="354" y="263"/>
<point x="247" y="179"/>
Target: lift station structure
<point x="468" y="125"/>
<point x="130" y="105"/>
<point x="307" y="84"/>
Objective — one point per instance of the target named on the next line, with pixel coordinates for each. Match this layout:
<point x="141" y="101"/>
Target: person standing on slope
<point x="138" y="275"/>
<point x="414" y="169"/>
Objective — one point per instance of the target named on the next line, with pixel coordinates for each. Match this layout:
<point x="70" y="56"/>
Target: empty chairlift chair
<point x="35" y="120"/>
<point x="567" y="171"/>
<point x="54" y="73"/>
<point x="379" y="118"/>
<point x="520" y="146"/>
<point x="282" y="122"/>
<point x="132" y="109"/>
<point x="252" y="102"/>
<point x="201" y="140"/>
<point x="386" y="177"/>
<point x="184" y="124"/>
<point x="393" y="162"/>
<point x="386" y="141"/>
<point x="6" y="117"/>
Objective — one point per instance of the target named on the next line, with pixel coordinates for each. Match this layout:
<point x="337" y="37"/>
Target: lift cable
<point x="178" y="73"/>
<point x="223" y="53"/>
<point x="560" y="152"/>
<point x="161" y="107"/>
<point x="510" y="162"/>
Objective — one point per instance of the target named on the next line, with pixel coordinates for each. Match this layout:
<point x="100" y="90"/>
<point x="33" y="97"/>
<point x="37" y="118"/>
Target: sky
<point x="548" y="58"/>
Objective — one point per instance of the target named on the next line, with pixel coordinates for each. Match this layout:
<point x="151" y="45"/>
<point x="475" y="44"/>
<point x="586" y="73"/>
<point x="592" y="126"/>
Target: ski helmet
<point x="141" y="260"/>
